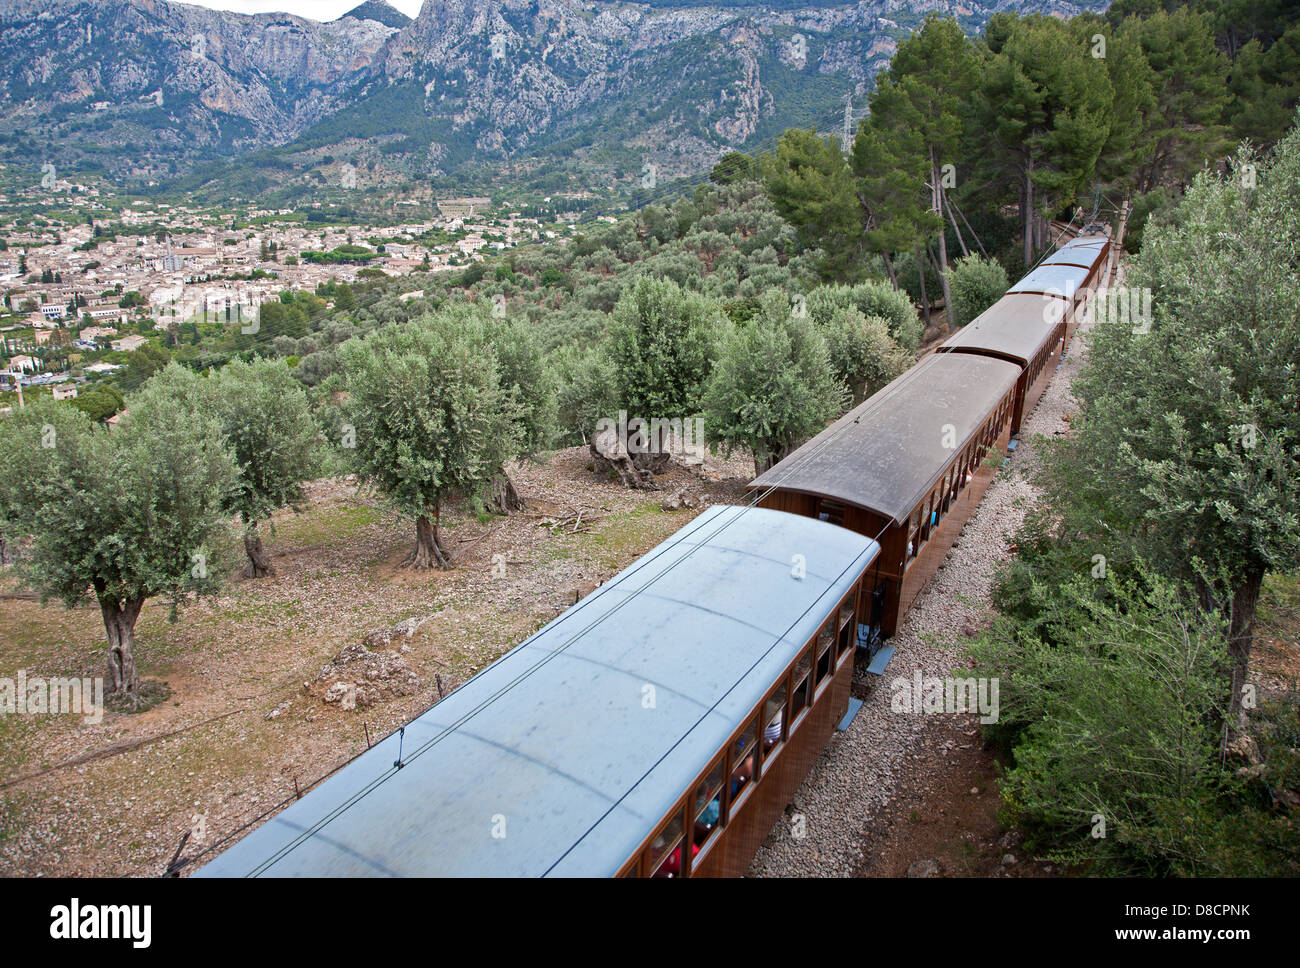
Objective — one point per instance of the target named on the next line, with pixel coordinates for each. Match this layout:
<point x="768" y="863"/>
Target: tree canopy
<point x="429" y="418"/>
<point x="122" y="516"/>
<point x="773" y="386"/>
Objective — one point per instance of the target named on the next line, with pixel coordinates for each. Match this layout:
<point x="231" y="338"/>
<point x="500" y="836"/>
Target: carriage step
<point x="854" y="706"/>
<point x="881" y="659"/>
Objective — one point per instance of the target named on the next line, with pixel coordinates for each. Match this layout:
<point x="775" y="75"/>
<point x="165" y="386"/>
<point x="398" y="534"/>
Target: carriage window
<point x="774" y="717"/>
<point x="742" y="765"/>
<point x="664" y="855"/>
<point x="746" y="741"/>
<point x="708" y="804"/>
<point x="847" y="629"/>
<point x="831" y="511"/>
<point x="799" y="698"/>
<point x="774" y="724"/>
<point x="825" y="641"/>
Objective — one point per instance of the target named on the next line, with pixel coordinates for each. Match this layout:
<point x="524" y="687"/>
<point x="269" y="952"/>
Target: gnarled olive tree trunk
<point x="119" y="622"/>
<point x="635" y="469"/>
<point x="504" y="497"/>
<point x="259" y="564"/>
<point x="428" y="551"/>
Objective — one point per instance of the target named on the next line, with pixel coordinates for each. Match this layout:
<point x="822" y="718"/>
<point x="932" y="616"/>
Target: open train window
<point x="707" y="808"/>
<point x="800" y="697"/>
<point x="846" y="633"/>
<point x="743" y="762"/>
<point x="826" y="650"/>
<point x="773" y="725"/>
<point x="663" y="858"/>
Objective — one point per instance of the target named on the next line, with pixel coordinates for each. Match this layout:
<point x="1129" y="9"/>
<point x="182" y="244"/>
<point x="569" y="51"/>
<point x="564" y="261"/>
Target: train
<point x="659" y="727"/>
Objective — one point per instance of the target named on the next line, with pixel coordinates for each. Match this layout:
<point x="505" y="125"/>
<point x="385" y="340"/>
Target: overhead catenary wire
<point x="502" y="690"/>
<point x="751" y="502"/>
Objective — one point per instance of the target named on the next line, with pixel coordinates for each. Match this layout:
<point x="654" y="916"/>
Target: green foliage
<point x="119" y="515"/>
<point x="976" y="284"/>
<point x="1126" y="620"/>
<point x="811" y="187"/>
<point x="357" y="255"/>
<point x="429" y="413"/>
<point x="915" y="129"/>
<point x="1043" y="111"/>
<point x="1109" y="720"/>
<point x="734" y="167"/>
<point x="863" y="356"/>
<point x="880" y="299"/>
<point x="662" y="344"/>
<point x="267" y="420"/>
<point x="99" y="402"/>
<point x="863" y="352"/>
<point x="773" y="387"/>
<point x="1191" y="93"/>
<point x="281" y="319"/>
<point x="585" y="390"/>
<point x="1145" y="208"/>
<point x="142" y="364"/>
<point x="872" y="300"/>
<point x="528" y="382"/>
<point x="1192" y="431"/>
<point x="1265" y="84"/>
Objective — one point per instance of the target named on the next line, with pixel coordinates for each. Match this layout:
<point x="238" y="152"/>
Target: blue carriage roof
<point x="1086" y="250"/>
<point x="562" y="756"/>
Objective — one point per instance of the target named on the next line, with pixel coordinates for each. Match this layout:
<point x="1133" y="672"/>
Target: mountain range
<point x="555" y="94"/>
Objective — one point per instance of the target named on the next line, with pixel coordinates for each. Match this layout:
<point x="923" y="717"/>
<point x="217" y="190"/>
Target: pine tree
<point x="1044" y="106"/>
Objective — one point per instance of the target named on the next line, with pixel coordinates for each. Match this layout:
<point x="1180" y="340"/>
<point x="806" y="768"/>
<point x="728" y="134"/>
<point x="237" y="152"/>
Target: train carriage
<point x="657" y="728"/>
<point x="1084" y="251"/>
<point x="907" y="467"/>
<point x="1032" y="324"/>
<point x="1071" y="274"/>
<point x="1027" y="330"/>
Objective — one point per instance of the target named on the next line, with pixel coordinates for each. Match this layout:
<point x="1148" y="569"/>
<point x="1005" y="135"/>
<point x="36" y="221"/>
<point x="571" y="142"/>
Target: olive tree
<point x="122" y="515"/>
<point x="773" y="386"/>
<point x="267" y="420"/>
<point x="1191" y="429"/>
<point x="863" y="356"/>
<point x="662" y="346"/>
<point x="429" y="418"/>
<point x="976" y="284"/>
<point x="530" y="386"/>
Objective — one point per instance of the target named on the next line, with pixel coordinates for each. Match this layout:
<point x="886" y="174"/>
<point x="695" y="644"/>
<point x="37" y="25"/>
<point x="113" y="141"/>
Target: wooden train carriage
<point x="1084" y="251"/>
<point x="1027" y="330"/>
<point x="1072" y="274"/>
<point x="907" y="467"/>
<point x="657" y="728"/>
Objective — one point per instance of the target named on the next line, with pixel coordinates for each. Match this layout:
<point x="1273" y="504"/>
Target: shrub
<point x="976" y="283"/>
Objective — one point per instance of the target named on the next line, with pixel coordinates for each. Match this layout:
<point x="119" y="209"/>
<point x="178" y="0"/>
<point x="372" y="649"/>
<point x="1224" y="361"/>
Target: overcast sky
<point x="315" y="9"/>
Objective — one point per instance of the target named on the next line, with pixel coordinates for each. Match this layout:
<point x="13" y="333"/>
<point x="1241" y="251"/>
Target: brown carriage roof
<point x="1015" y="328"/>
<point x="885" y="454"/>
